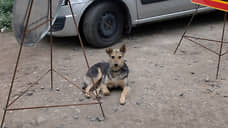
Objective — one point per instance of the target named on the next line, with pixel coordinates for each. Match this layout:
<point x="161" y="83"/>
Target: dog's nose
<point x="116" y="65"/>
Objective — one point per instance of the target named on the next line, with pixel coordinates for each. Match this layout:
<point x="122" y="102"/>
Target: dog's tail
<point x="97" y="80"/>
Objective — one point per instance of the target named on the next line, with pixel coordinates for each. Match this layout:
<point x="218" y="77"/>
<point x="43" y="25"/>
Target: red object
<point x="218" y="4"/>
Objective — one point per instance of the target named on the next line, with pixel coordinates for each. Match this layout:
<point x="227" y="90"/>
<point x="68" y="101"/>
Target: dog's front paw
<point x="106" y="93"/>
<point x="87" y="95"/>
<point x="122" y="101"/>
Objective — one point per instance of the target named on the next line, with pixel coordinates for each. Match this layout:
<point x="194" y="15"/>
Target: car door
<point x="151" y="8"/>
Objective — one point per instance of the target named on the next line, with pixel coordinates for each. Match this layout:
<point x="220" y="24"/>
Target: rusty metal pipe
<point x="51" y="106"/>
<point x="221" y="46"/>
<point x="186" y="29"/>
<point x="51" y="44"/>
<point x="28" y="88"/>
<point x="83" y="49"/>
<point x="199" y="38"/>
<point x="17" y="62"/>
<point x="36" y="27"/>
<point x="202" y="46"/>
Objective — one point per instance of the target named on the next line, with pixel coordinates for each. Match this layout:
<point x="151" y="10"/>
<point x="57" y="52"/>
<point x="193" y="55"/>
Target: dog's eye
<point x="113" y="57"/>
<point x="120" y="57"/>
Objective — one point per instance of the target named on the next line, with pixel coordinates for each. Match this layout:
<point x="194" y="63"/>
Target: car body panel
<point x="153" y="8"/>
<point x="139" y="12"/>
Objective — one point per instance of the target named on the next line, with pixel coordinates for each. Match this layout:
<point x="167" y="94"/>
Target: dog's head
<point x="116" y="56"/>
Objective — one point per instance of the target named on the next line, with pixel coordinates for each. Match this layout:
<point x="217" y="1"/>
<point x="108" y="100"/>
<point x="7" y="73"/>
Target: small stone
<point x="57" y="89"/>
<point x="212" y="85"/>
<point x="138" y="103"/>
<point x="193" y="73"/>
<point x="218" y="86"/>
<point x="42" y="88"/>
<point x="36" y="83"/>
<point x="91" y="118"/>
<point x="209" y="90"/>
<point x="27" y="126"/>
<point x="115" y="109"/>
<point x="59" y="127"/>
<point x="80" y="99"/>
<point x="195" y="61"/>
<point x="183" y="51"/>
<point x="182" y="94"/>
<point x="225" y="96"/>
<point x="161" y="66"/>
<point x="29" y="93"/>
<point x="30" y="83"/>
<point x="75" y="49"/>
<point x="132" y="82"/>
<point x="32" y="122"/>
<point x="207" y="79"/>
<point x="100" y="118"/>
<point x="76" y="117"/>
<point x="40" y="120"/>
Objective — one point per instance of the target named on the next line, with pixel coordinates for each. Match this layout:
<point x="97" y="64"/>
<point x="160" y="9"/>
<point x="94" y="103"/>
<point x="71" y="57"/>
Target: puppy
<point x="108" y="75"/>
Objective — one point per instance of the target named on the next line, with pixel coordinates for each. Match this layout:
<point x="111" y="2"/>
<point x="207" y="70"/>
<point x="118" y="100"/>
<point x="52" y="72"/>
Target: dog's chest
<point x="115" y="79"/>
<point x="115" y="76"/>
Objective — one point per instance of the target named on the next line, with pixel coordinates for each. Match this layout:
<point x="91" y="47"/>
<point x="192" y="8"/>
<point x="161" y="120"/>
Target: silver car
<point x="102" y="22"/>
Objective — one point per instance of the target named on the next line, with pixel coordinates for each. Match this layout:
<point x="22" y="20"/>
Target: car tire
<point x="103" y="24"/>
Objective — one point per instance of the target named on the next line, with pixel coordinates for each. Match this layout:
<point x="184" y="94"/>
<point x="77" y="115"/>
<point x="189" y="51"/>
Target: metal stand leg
<point x="186" y="29"/>
<point x="17" y="63"/>
<point x="83" y="49"/>
<point x="8" y="104"/>
<point x="51" y="44"/>
<point x="221" y="46"/>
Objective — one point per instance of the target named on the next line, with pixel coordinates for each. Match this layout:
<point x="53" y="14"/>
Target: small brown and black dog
<point x="109" y="75"/>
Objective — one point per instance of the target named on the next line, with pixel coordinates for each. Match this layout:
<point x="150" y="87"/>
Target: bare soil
<point x="167" y="91"/>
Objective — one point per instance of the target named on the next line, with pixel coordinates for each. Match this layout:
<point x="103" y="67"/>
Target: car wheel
<point x="103" y="24"/>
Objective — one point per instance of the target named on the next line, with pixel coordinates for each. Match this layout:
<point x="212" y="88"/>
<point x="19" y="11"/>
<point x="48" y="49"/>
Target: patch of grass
<point x="6" y="13"/>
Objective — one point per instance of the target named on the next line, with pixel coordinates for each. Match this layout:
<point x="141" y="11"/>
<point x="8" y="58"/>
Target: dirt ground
<point x="167" y="91"/>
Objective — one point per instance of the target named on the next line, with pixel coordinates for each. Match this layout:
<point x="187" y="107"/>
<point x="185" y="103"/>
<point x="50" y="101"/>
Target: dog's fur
<point x="107" y="75"/>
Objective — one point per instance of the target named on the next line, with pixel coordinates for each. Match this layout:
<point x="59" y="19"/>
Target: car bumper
<point x="64" y="25"/>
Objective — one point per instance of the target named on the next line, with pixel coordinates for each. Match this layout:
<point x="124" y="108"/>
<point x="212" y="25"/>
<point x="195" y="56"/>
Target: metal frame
<point x="51" y="70"/>
<point x="194" y="39"/>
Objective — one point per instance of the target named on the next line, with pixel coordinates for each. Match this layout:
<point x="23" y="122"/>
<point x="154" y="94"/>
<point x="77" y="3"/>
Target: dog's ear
<point x="123" y="48"/>
<point x="109" y="51"/>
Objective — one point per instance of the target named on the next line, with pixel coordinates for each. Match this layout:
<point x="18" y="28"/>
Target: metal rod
<point x="52" y="106"/>
<point x="51" y="44"/>
<point x="83" y="49"/>
<point x="199" y="38"/>
<point x="186" y="29"/>
<point x="69" y="81"/>
<point x="28" y="88"/>
<point x="203" y="46"/>
<point x="221" y="46"/>
<point x="17" y="63"/>
<point x="36" y="27"/>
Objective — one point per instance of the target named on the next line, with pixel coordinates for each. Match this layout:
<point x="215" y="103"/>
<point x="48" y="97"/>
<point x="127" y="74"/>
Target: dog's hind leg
<point x="97" y="91"/>
<point x="96" y="83"/>
<point x="88" y="89"/>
